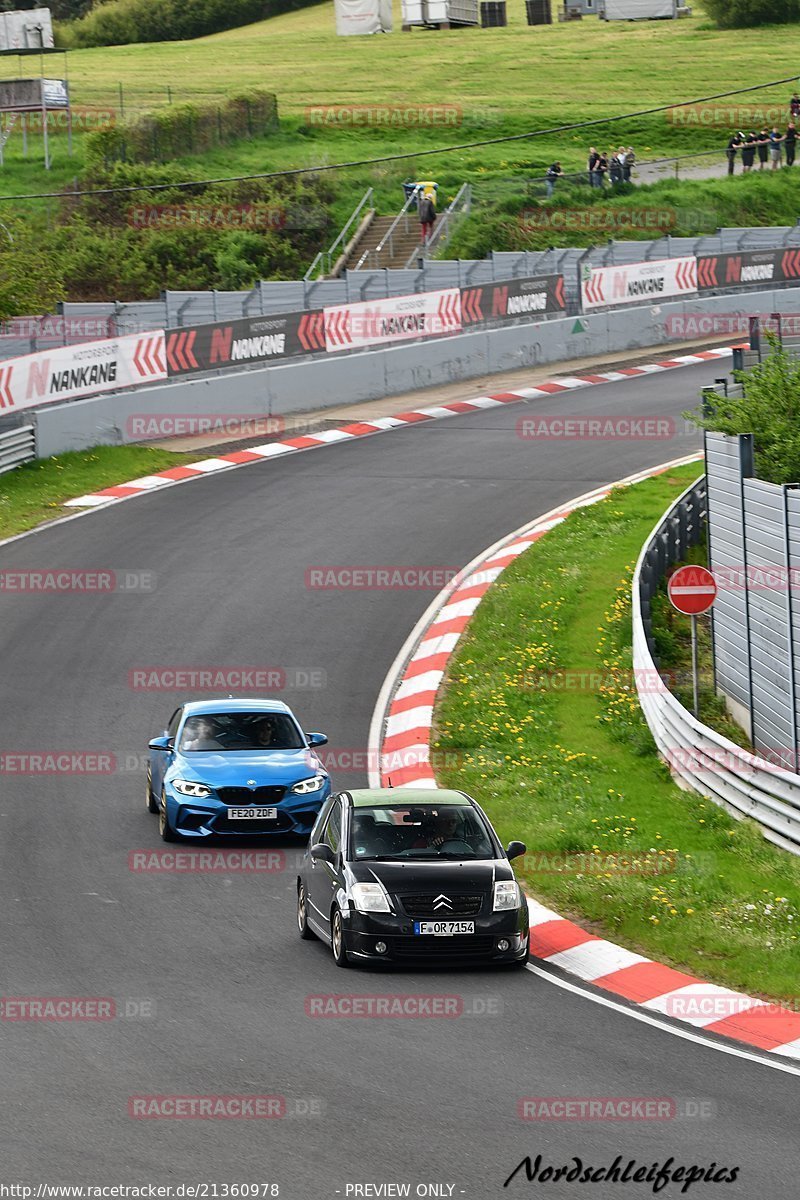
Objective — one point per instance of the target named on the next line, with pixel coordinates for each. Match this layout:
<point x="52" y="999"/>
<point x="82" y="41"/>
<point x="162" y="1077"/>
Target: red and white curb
<point x="400" y="737"/>
<point x="357" y="429"/>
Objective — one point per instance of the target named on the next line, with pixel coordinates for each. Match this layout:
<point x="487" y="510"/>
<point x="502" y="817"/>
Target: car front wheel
<point x="164" y="828"/>
<point x="337" y="940"/>
<point x="302" y="914"/>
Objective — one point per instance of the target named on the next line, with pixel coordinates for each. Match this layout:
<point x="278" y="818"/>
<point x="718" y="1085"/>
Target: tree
<point x="30" y="279"/>
<point x="743" y="14"/>
<point x="769" y="409"/>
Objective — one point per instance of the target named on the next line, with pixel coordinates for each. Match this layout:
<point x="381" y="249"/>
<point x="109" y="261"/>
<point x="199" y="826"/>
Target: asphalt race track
<point x="209" y="966"/>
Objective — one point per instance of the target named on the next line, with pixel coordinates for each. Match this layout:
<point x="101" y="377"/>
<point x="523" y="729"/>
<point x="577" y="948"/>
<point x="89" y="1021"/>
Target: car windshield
<point x="240" y="731"/>
<point x="416" y="831"/>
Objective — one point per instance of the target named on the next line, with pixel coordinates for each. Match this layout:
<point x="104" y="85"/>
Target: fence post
<point x="746" y="470"/>
<point x="789" y="626"/>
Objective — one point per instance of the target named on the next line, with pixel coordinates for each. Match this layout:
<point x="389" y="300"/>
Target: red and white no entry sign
<point x="692" y="590"/>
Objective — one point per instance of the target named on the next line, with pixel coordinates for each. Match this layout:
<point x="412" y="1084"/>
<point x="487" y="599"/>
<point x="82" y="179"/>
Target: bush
<point x="184" y="129"/>
<point x="770" y="409"/>
<point x="120" y="22"/>
<point x="130" y="246"/>
<point x="30" y="277"/>
<point x="744" y="14"/>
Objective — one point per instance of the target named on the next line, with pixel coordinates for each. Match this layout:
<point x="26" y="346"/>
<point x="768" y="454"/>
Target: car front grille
<point x="426" y="907"/>
<point x="465" y="946"/>
<point x="246" y="795"/>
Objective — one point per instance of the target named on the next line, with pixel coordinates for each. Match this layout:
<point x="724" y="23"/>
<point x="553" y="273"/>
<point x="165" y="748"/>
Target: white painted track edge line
<point x="646" y="1018"/>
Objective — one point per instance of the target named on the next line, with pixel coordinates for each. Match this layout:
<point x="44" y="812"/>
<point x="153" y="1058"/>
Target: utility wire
<point x="368" y="162"/>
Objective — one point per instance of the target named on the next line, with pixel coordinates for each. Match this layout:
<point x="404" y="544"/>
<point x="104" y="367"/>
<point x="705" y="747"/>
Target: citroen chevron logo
<point x="251" y="783"/>
<point x="442" y="902"/>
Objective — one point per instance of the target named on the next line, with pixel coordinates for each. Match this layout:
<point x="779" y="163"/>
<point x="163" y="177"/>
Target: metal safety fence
<point x="747" y="784"/>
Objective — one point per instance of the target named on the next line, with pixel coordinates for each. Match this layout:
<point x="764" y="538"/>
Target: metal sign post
<point x="692" y="591"/>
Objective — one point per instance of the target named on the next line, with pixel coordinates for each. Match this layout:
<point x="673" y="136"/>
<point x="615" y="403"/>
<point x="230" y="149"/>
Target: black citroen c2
<point x="400" y="874"/>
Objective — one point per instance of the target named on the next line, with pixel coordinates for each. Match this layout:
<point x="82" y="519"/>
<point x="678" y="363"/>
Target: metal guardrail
<point x="443" y="229"/>
<point x="322" y="264"/>
<point x="372" y="257"/>
<point x="17" y="446"/>
<point x="744" y="783"/>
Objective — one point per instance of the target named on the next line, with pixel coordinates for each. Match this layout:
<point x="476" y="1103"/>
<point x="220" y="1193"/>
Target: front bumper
<point x="198" y="820"/>
<point x="363" y="931"/>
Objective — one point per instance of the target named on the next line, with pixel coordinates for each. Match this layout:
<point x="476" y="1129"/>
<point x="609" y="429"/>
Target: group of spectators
<point x="616" y="165"/>
<point x="766" y="145"/>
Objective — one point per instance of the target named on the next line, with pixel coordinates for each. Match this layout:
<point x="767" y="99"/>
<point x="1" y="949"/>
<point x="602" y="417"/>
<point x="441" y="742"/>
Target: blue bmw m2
<point x="233" y="768"/>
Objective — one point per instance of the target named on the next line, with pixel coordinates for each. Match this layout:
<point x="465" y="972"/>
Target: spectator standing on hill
<point x="601" y="169"/>
<point x="749" y="152"/>
<point x="794" y="106"/>
<point x="763" y="148"/>
<point x="615" y="166"/>
<point x="628" y="163"/>
<point x="775" y="144"/>
<point x="594" y="158"/>
<point x="554" y="173"/>
<point x="730" y="151"/>
<point x="427" y="216"/>
<point x="789" y="138"/>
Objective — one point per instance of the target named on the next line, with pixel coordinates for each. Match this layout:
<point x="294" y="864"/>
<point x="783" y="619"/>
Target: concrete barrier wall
<point x="318" y="383"/>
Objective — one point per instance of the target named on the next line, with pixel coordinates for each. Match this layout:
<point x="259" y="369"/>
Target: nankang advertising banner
<point x="529" y="296"/>
<point x="396" y="319"/>
<point x="82" y="370"/>
<point x="253" y="339"/>
<point x="749" y="267"/>
<point x="638" y="283"/>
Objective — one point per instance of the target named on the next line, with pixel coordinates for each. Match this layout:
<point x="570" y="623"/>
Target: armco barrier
<point x="313" y="384"/>
<point x="746" y="785"/>
<point x="337" y="328"/>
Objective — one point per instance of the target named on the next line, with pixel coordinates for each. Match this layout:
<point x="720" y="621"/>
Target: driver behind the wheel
<point x="441" y="828"/>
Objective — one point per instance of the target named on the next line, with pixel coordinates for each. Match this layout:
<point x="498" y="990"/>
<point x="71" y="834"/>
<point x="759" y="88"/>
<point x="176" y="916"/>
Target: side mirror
<point x="322" y="852"/>
<point x="161" y="743"/>
<point x="316" y="739"/>
<point x="514" y="849"/>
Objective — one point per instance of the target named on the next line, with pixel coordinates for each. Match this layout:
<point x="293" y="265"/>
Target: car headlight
<point x="309" y="785"/>
<point x="187" y="787"/>
<point x="370" y="897"/>
<point x="506" y="895"/>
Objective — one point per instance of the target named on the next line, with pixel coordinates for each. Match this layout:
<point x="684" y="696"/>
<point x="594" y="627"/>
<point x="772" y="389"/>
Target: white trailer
<point x="641" y="10"/>
<point x="30" y="30"/>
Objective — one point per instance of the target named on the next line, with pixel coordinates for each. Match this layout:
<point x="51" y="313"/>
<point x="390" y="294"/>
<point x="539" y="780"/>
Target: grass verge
<point x="540" y="716"/>
<point x="35" y="492"/>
